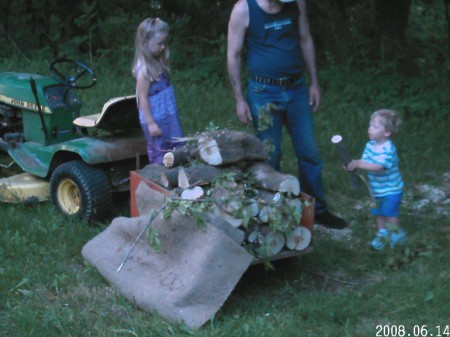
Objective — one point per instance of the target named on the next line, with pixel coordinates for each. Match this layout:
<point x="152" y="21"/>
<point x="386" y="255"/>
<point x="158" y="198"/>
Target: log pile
<point x="227" y="170"/>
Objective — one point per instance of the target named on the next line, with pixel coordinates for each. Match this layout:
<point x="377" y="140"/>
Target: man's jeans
<point x="275" y="106"/>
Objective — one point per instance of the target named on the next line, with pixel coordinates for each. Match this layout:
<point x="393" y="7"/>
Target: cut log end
<point x="299" y="238"/>
<point x="194" y="193"/>
<point x="272" y="244"/>
<point x="183" y="180"/>
<point x="209" y="151"/>
<point x="168" y="159"/>
<point x="290" y="185"/>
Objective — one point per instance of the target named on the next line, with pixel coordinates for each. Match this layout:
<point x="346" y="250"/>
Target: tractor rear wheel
<point x="79" y="190"/>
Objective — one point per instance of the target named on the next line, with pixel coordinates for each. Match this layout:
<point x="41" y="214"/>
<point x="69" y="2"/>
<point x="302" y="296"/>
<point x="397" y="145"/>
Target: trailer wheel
<point x="79" y="190"/>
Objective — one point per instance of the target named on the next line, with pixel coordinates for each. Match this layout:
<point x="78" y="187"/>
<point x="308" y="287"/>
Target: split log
<point x="181" y="156"/>
<point x="220" y="223"/>
<point x="234" y="202"/>
<point x="169" y="178"/>
<point x="269" y="196"/>
<point x="269" y="178"/>
<point x="233" y="221"/>
<point x="197" y="176"/>
<point x="226" y="147"/>
<point x="203" y="175"/>
<point x="153" y="172"/>
<point x="187" y="177"/>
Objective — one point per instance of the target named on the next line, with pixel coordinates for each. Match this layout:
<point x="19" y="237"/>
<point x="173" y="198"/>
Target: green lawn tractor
<point x="82" y="159"/>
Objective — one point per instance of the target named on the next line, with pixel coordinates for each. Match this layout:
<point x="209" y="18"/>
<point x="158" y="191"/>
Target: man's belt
<point x="282" y="81"/>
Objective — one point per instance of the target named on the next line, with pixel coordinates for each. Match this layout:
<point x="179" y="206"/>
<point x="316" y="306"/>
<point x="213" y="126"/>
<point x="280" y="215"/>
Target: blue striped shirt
<point x="389" y="180"/>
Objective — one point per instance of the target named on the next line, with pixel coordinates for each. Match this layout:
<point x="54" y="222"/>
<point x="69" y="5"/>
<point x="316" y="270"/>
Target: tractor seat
<point x="87" y="121"/>
<point x="117" y="114"/>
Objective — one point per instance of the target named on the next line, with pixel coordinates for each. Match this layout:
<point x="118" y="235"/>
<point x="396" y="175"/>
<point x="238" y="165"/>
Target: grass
<point x="341" y="289"/>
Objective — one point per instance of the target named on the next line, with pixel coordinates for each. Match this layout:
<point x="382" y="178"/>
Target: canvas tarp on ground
<point x="187" y="281"/>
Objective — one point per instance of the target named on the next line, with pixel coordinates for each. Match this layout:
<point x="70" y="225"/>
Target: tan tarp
<point x="191" y="277"/>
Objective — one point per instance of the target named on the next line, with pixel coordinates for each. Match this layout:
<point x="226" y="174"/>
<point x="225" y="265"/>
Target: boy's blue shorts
<point x="388" y="206"/>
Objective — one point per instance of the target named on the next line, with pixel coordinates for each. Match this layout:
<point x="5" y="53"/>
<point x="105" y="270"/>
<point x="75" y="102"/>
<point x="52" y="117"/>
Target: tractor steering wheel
<point x="69" y="72"/>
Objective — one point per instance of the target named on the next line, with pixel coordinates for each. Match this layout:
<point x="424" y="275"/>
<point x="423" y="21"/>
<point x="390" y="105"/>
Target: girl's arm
<point x="364" y="165"/>
<point x="142" y="88"/>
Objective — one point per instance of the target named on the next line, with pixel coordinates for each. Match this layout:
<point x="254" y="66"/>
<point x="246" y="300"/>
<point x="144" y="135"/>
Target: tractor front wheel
<point x="79" y="190"/>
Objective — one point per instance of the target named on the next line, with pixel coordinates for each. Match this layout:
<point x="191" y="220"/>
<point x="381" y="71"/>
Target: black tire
<point x="79" y="190"/>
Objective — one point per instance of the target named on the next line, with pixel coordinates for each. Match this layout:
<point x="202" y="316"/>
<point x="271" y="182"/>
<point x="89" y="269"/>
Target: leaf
<point x="295" y="209"/>
<point x="25" y="292"/>
<point x="21" y="283"/>
<point x="265" y="118"/>
<point x="427" y="253"/>
<point x="153" y="239"/>
<point x="429" y="296"/>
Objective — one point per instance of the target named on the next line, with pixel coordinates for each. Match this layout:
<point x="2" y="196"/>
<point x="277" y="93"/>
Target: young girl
<point x="381" y="161"/>
<point x="158" y="110"/>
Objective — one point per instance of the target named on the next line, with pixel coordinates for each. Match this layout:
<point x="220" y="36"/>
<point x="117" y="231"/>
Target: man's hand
<point x="243" y="112"/>
<point x="314" y="97"/>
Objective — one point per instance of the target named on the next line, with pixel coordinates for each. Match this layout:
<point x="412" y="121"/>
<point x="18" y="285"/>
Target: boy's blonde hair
<point x="389" y="119"/>
<point x="145" y="61"/>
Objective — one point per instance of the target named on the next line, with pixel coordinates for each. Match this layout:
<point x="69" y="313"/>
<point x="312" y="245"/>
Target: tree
<point x="391" y="18"/>
<point x="447" y="16"/>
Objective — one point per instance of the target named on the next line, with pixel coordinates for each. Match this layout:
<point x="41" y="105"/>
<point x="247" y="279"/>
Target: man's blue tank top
<point x="273" y="41"/>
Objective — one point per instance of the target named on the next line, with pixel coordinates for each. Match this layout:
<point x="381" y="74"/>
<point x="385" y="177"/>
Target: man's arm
<point x="237" y="26"/>
<point x="307" y="44"/>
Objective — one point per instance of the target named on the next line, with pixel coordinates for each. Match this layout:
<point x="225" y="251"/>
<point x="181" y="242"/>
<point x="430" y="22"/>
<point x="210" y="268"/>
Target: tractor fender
<point x="40" y="160"/>
<point x="94" y="151"/>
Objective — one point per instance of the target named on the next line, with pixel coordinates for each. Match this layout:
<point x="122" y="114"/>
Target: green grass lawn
<point x="341" y="289"/>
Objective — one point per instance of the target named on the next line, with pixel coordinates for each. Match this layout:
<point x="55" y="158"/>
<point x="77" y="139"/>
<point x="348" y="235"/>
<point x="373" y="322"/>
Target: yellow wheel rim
<point x="69" y="196"/>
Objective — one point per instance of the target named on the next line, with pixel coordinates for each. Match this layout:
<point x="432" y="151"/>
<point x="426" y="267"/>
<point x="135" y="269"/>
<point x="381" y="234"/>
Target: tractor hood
<point x="15" y="88"/>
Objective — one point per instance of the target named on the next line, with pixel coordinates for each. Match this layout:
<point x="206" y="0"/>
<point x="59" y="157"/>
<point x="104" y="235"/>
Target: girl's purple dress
<point x="165" y="113"/>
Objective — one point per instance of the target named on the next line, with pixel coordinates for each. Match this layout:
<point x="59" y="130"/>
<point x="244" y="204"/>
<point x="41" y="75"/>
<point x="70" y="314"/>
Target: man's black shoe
<point x="330" y="220"/>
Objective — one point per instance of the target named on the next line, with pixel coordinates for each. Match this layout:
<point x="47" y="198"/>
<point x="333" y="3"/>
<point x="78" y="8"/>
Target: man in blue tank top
<point x="279" y="46"/>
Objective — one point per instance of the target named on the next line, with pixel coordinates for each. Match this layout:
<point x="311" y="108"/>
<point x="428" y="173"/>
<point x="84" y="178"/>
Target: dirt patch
<point x="336" y="234"/>
<point x="417" y="198"/>
<point x="426" y="196"/>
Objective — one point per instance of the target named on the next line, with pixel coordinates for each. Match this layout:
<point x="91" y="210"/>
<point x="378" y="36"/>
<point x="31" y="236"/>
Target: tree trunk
<point x="181" y="156"/>
<point x="169" y="178"/>
<point x="392" y="21"/>
<point x="154" y="172"/>
<point x="269" y="178"/>
<point x="197" y="176"/>
<point x="230" y="147"/>
<point x="447" y="16"/>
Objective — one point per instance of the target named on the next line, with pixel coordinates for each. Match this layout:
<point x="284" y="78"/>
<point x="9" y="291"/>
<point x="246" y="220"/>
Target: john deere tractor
<point x="82" y="158"/>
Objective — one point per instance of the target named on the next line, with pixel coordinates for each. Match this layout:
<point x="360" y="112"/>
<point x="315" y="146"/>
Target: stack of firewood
<point x="228" y="169"/>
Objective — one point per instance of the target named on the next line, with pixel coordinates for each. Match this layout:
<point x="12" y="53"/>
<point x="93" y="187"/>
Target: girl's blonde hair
<point x="144" y="61"/>
<point x="389" y="119"/>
